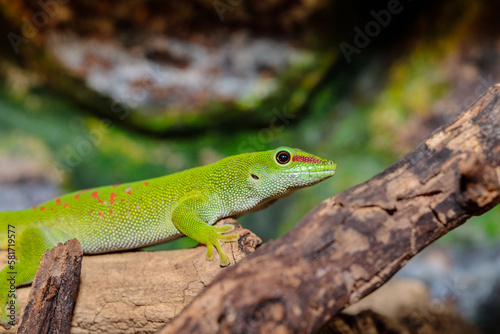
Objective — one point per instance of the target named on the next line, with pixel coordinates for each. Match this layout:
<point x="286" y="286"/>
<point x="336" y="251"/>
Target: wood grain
<point x="138" y="291"/>
<point x="352" y="243"/>
<point x="53" y="291"/>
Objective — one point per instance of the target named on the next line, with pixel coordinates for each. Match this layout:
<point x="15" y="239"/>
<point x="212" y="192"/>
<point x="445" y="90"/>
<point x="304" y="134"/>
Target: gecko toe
<point x="210" y="252"/>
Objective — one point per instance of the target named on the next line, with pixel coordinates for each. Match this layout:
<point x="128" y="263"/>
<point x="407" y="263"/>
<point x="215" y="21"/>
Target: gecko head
<point x="280" y="172"/>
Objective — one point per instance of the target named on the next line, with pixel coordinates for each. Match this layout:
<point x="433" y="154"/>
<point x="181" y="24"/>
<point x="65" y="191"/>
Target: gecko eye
<point x="255" y="177"/>
<point x="283" y="157"/>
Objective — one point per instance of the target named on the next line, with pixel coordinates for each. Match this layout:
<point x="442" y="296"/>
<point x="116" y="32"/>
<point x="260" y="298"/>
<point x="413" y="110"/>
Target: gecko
<point x="143" y="213"/>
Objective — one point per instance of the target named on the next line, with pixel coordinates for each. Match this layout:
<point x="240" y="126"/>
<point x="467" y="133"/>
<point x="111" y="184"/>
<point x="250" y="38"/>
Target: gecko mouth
<point x="329" y="167"/>
<point x="327" y="172"/>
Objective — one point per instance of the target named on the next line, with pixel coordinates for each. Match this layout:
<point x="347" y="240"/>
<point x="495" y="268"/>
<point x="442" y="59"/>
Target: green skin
<point x="149" y="212"/>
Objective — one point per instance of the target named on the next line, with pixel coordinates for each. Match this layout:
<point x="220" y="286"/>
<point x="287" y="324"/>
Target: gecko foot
<point x="213" y="239"/>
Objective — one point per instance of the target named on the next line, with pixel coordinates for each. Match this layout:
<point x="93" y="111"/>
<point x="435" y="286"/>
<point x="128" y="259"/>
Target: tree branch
<point x="140" y="291"/>
<point x="53" y="291"/>
<point x="352" y="243"/>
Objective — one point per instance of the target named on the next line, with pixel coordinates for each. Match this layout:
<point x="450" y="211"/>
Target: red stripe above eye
<point x="301" y="158"/>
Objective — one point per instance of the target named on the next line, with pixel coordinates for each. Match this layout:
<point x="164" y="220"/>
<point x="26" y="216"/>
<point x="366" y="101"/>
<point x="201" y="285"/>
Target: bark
<point x="352" y="243"/>
<point x="53" y="292"/>
<point x="138" y="292"/>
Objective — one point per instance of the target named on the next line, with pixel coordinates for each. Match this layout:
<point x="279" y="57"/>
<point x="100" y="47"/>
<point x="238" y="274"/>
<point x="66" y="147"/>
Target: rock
<point x="400" y="306"/>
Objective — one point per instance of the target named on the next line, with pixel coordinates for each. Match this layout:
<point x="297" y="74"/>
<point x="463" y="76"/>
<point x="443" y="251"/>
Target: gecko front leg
<point x="187" y="219"/>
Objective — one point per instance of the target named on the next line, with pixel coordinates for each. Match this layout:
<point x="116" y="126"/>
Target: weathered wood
<point x="137" y="291"/>
<point x="53" y="291"/>
<point x="354" y="242"/>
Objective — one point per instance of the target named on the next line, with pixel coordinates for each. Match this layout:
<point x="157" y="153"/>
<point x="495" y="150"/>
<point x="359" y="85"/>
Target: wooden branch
<point x="354" y="242"/>
<point x="141" y="291"/>
<point x="53" y="291"/>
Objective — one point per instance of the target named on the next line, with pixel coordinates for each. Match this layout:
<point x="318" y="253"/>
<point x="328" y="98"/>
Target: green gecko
<point x="143" y="213"/>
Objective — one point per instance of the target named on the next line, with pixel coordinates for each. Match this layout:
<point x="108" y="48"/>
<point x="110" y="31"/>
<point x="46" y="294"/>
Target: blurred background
<point x="95" y="93"/>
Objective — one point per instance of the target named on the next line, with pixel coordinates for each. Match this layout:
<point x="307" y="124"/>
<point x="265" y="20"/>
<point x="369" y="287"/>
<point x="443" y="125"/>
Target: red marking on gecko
<point x="34" y="208"/>
<point x="51" y="209"/>
<point x="77" y="196"/>
<point x="129" y="191"/>
<point x="101" y="214"/>
<point x="91" y="211"/>
<point x="146" y="184"/>
<point x="301" y="158"/>
<point x="110" y="212"/>
<point x="116" y="185"/>
<point x="95" y="195"/>
<point x="58" y="201"/>
<point x="65" y="205"/>
<point x="42" y="208"/>
<point x="112" y="197"/>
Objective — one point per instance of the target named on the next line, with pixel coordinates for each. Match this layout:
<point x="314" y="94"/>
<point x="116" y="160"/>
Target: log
<point x="137" y="291"/>
<point x="352" y="243"/>
<point x="53" y="291"/>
